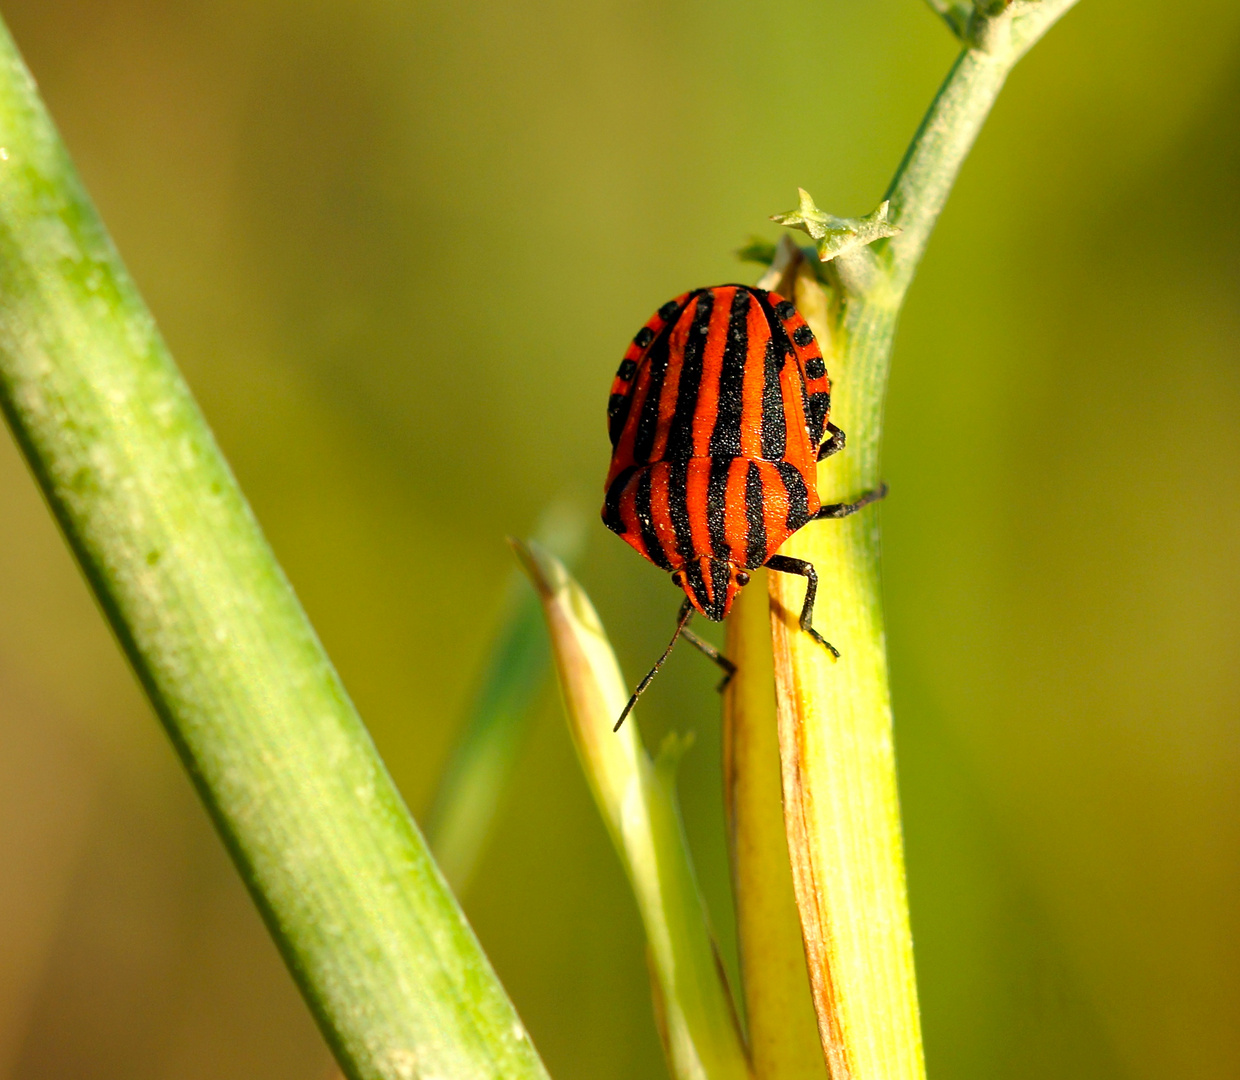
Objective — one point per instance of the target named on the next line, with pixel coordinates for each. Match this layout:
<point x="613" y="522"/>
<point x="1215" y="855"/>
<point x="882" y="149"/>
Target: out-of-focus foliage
<point x="398" y="249"/>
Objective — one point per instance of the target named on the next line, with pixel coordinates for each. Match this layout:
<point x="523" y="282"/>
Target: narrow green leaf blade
<point x="478" y="772"/>
<point x="482" y="764"/>
<point x="783" y="1030"/>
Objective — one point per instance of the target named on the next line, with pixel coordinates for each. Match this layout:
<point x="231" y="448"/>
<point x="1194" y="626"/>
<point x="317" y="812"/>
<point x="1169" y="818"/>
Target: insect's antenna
<point x="686" y="613"/>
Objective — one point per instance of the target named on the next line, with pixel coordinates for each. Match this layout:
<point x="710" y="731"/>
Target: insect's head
<point x="711" y="584"/>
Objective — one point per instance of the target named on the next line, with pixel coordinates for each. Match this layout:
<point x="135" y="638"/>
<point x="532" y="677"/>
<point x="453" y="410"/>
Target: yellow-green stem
<point x="838" y="761"/>
<point x="838" y="770"/>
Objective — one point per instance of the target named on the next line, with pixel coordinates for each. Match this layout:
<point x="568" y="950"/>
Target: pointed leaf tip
<point x="636" y="798"/>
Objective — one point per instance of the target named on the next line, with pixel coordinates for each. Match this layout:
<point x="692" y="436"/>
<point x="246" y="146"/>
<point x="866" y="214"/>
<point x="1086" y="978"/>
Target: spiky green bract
<point x="836" y="236"/>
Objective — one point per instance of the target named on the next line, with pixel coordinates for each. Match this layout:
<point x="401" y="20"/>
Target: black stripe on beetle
<point x="716" y="506"/>
<point x="725" y="436"/>
<point x="650" y="538"/>
<point x="774" y="426"/>
<point x="798" y="494"/>
<point x="680" y="435"/>
<point x="678" y="508"/>
<point x="611" y="505"/>
<point x="618" y="413"/>
<point x="755" y="515"/>
<point x="819" y="406"/>
<point x="648" y="421"/>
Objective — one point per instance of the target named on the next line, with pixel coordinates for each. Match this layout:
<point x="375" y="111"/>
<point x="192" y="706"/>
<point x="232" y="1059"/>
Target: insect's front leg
<point x="788" y="565"/>
<point x="832" y="445"/>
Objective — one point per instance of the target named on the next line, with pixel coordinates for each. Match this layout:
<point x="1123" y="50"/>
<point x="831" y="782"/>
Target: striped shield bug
<point x="718" y="417"/>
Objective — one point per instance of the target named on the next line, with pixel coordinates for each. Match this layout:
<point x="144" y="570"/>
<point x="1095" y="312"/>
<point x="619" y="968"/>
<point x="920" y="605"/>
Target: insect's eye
<point x="742" y="578"/>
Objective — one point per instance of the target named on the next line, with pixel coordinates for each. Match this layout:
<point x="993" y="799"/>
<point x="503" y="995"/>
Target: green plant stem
<point x="319" y="833"/>
<point x="918" y="193"/>
<point x="463" y="814"/>
<point x="925" y="177"/>
<point x="838" y="773"/>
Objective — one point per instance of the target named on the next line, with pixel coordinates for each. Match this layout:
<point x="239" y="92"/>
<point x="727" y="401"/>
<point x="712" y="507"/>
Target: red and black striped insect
<point x="718" y="417"/>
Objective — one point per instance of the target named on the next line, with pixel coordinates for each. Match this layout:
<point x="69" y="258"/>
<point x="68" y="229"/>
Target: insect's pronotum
<point x="718" y="417"/>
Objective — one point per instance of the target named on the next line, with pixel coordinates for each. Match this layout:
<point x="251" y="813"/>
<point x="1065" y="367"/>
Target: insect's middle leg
<point x="788" y="565"/>
<point x="840" y="510"/>
<point x="729" y="668"/>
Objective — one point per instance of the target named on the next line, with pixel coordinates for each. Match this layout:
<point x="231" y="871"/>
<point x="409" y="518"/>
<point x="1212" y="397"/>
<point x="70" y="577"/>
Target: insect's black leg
<point x="788" y="565"/>
<point x="729" y="668"/>
<point x="686" y="613"/>
<point x="832" y="445"/>
<point x="839" y="510"/>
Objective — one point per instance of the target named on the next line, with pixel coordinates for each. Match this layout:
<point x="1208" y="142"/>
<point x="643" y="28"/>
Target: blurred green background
<point x="398" y="248"/>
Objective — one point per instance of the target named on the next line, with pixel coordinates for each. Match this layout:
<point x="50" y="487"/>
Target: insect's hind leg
<point x="787" y="565"/>
<point x="841" y="510"/>
<point x="729" y="668"/>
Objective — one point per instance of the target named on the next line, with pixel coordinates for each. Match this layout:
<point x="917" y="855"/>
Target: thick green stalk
<point x="365" y="922"/>
<point x="838" y="769"/>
